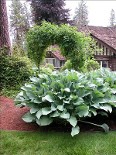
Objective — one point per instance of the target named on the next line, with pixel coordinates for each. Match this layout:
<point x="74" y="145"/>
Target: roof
<point x="58" y="55"/>
<point x="105" y="34"/>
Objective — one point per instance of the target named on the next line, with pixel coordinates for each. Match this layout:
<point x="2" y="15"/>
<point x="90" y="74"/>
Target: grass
<point x="57" y="143"/>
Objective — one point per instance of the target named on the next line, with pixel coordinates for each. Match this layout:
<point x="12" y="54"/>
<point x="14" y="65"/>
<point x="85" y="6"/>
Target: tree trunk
<point x="4" y="31"/>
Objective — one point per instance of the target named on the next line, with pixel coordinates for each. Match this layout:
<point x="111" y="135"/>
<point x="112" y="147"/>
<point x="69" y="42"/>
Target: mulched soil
<point x="11" y="119"/>
<point x="10" y="116"/>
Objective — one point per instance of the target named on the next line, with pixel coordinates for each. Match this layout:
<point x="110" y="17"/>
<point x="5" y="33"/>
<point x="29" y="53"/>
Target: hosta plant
<point x="69" y="96"/>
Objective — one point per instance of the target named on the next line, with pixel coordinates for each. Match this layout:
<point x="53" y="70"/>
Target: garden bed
<point x="11" y="120"/>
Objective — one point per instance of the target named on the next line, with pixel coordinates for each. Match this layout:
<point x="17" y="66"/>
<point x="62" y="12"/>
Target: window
<point x="50" y="61"/>
<point x="104" y="64"/>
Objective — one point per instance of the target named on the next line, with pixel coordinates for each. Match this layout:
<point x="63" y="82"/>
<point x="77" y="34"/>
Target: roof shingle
<point x="105" y="34"/>
<point x="58" y="55"/>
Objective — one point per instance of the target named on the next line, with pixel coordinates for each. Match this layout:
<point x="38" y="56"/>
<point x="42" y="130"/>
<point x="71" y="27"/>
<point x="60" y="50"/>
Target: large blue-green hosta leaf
<point x="79" y="101"/>
<point x="28" y="117"/>
<point x="34" y="110"/>
<point x="31" y="95"/>
<point x="106" y="107"/>
<point x="67" y="90"/>
<point x="46" y="111"/>
<point x="47" y="98"/>
<point x="82" y="110"/>
<point x="34" y="79"/>
<point x="72" y="120"/>
<point x="55" y="114"/>
<point x="65" y="115"/>
<point x="44" y="120"/>
<point x="39" y="114"/>
<point x="93" y="111"/>
<point x="60" y="107"/>
<point x="75" y="131"/>
<point x="105" y="127"/>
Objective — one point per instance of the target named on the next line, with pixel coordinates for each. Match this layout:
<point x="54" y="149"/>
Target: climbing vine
<point x="72" y="43"/>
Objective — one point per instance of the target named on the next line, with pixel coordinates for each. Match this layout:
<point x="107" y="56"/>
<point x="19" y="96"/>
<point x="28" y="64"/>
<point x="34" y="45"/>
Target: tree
<point x="112" y="18"/>
<point x="4" y="32"/>
<point x="81" y="15"/>
<point x="19" y="21"/>
<point x="49" y="10"/>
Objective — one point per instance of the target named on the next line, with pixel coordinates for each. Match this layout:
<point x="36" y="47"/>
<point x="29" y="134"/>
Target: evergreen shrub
<point x="14" y="71"/>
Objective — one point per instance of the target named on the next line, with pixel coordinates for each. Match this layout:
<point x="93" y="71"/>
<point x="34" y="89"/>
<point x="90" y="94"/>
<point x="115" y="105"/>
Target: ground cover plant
<point x="57" y="143"/>
<point x="68" y="96"/>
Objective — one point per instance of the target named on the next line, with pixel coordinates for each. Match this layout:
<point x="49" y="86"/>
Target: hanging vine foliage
<point x="73" y="44"/>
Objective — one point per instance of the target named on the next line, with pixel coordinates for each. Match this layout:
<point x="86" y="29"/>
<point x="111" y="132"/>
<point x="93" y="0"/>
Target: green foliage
<point x="14" y="71"/>
<point x="18" y="51"/>
<point x="68" y="96"/>
<point x="10" y="92"/>
<point x="48" y="65"/>
<point x="90" y="65"/>
<point x="74" y="45"/>
<point x="4" y="51"/>
<point x="67" y="65"/>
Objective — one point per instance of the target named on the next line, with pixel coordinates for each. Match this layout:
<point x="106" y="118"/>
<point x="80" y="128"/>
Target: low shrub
<point x="90" y="65"/>
<point x="69" y="96"/>
<point x="14" y="71"/>
<point x="67" y="65"/>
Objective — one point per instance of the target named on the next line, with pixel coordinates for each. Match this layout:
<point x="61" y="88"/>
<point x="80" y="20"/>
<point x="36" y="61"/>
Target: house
<point x="55" y="58"/>
<point x="106" y="39"/>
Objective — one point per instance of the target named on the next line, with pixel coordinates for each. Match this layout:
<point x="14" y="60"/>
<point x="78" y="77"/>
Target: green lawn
<point x="57" y="143"/>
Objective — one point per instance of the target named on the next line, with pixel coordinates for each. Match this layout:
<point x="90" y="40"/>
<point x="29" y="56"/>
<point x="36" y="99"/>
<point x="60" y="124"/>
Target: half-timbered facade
<point x="106" y="40"/>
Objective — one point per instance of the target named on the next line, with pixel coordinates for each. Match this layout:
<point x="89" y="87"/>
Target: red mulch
<point x="11" y="119"/>
<point x="11" y="116"/>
